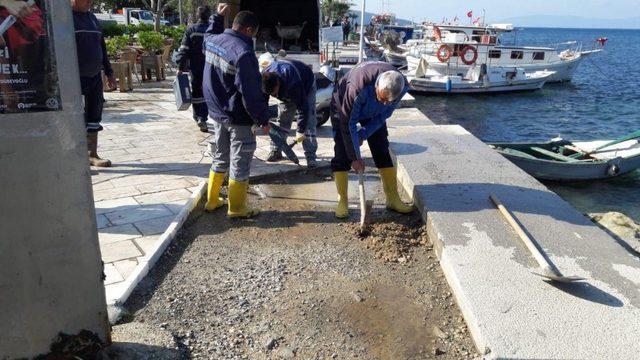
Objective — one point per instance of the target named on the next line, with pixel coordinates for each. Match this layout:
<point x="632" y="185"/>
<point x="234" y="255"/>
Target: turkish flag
<point x="470" y="14"/>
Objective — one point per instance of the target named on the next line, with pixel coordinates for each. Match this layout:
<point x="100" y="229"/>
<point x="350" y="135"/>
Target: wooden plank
<point x="553" y="155"/>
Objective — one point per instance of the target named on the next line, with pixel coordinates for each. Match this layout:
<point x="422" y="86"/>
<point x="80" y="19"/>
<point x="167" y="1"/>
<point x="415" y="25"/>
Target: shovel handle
<point x="530" y="243"/>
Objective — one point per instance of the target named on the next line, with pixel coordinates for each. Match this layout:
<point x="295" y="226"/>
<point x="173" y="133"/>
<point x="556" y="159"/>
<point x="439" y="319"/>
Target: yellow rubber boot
<point x="214" y="201"/>
<point x="342" y="184"/>
<point x="390" y="186"/>
<point x="238" y="200"/>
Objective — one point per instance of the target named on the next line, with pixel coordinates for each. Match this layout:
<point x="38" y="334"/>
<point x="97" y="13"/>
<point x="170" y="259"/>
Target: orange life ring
<point x="444" y="53"/>
<point x="463" y="55"/>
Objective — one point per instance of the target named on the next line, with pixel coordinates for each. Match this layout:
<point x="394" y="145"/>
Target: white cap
<point x="265" y="60"/>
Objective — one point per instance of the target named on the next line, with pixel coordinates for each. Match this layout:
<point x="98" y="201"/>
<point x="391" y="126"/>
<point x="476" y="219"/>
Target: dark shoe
<point x="274" y="156"/>
<point x="203" y="126"/>
<point x="312" y="163"/>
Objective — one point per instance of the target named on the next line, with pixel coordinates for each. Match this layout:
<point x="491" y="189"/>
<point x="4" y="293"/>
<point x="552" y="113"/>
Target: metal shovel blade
<point x="365" y="206"/>
<point x="278" y="136"/>
<point x="556" y="276"/>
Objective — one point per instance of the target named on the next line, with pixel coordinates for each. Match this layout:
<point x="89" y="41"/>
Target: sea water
<point x="602" y="102"/>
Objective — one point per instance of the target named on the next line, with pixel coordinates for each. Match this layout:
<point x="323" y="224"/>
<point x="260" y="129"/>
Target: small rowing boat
<point x="563" y="160"/>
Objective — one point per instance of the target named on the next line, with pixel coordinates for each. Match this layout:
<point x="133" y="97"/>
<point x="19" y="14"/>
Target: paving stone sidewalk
<point x="159" y="159"/>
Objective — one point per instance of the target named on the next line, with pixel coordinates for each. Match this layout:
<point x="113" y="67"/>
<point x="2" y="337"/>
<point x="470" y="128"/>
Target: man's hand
<point x="358" y="165"/>
<point x="300" y="137"/>
<point x="18" y="9"/>
<point x="111" y="82"/>
<point x="223" y="9"/>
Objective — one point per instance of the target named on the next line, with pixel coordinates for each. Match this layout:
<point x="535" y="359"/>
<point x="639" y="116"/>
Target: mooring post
<point x="50" y="267"/>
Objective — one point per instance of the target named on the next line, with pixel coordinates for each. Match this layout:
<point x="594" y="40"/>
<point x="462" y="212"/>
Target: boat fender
<point x="437" y="33"/>
<point x="613" y="170"/>
<point x="444" y="53"/>
<point x="448" y="85"/>
<point x="464" y="55"/>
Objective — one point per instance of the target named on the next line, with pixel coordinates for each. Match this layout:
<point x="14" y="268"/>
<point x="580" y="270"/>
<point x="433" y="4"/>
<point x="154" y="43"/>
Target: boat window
<point x="538" y="55"/>
<point x="517" y="55"/>
<point x="495" y="54"/>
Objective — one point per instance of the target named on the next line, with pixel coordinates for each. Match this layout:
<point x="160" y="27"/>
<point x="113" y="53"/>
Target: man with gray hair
<point x="362" y="102"/>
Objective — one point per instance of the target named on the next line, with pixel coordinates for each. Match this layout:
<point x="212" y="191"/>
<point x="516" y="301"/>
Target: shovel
<point x="278" y="135"/>
<point x="365" y="205"/>
<point x="547" y="269"/>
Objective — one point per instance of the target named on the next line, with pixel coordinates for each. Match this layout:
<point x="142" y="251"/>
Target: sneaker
<point x="312" y="163"/>
<point x="274" y="156"/>
<point x="203" y="126"/>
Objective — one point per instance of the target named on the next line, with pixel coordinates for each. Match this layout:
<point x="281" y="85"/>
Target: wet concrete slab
<point x="511" y="312"/>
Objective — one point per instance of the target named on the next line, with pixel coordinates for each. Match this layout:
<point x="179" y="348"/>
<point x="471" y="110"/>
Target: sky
<point x="419" y="10"/>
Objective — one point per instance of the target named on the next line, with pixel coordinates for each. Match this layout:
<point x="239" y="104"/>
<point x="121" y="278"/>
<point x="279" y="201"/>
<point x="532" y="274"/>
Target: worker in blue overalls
<point x="191" y="58"/>
<point x="237" y="107"/>
<point x="293" y="83"/>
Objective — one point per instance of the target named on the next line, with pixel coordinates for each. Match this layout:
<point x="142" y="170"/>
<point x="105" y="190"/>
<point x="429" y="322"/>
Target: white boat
<point x="453" y="50"/>
<point x="481" y="79"/>
<point x="396" y="59"/>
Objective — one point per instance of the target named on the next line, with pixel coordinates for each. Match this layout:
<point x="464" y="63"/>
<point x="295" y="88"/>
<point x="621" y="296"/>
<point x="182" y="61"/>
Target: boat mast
<point x="361" y="52"/>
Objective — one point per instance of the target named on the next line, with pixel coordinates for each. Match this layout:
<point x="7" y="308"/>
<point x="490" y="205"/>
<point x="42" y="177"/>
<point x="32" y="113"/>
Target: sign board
<point x="28" y="74"/>
<point x="332" y="34"/>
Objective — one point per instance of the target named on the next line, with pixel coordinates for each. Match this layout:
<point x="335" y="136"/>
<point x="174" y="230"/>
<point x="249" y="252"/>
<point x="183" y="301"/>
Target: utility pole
<point x="361" y="52"/>
<point x="180" y="11"/>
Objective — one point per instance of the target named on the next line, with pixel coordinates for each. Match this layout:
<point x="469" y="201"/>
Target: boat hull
<point x="569" y="171"/>
<point x="426" y="86"/>
<point x="564" y="70"/>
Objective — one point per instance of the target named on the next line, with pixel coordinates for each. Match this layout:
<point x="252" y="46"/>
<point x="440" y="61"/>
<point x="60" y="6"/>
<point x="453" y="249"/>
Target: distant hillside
<point x="368" y="16"/>
<point x="572" y="22"/>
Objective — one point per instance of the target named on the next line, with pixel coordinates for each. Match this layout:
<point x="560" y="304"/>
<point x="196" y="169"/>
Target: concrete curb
<point x="149" y="260"/>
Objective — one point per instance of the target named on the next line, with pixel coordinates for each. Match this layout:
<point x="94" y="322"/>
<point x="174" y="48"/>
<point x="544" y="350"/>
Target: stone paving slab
<point x="160" y="159"/>
<point x="512" y="313"/>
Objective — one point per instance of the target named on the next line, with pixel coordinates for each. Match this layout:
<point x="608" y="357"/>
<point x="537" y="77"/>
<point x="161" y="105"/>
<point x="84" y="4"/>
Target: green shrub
<point x="110" y="29"/>
<point x="151" y="41"/>
<point x="174" y="33"/>
<point x="116" y="44"/>
<point x="134" y="29"/>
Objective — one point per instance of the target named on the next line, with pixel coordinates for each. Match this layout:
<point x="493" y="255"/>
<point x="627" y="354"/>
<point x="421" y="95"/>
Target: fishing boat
<point x="480" y="80"/>
<point x="563" y="160"/>
<point x="453" y="49"/>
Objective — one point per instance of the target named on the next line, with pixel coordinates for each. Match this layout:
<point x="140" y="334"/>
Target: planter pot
<point x="152" y="64"/>
<point x="122" y="72"/>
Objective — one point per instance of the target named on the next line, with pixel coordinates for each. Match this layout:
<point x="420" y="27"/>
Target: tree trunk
<point x="158" y="14"/>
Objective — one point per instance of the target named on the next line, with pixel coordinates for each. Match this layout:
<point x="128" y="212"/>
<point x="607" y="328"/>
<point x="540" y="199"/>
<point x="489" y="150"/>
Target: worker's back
<point x="223" y="79"/>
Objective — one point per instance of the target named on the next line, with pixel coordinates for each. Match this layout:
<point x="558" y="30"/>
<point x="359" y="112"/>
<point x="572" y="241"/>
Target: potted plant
<point x="114" y="46"/>
<point x="152" y="43"/>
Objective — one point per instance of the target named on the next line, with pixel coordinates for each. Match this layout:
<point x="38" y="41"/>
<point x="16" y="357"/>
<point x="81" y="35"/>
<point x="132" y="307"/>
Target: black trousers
<point x="200" y="110"/>
<point x="378" y="144"/>
<point x="93" y="101"/>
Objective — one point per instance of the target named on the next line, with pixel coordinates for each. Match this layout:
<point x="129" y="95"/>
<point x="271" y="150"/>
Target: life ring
<point x="444" y="53"/>
<point x="465" y="51"/>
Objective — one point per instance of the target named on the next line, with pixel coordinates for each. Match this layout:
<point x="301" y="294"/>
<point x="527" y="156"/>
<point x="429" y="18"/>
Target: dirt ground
<point x="297" y="283"/>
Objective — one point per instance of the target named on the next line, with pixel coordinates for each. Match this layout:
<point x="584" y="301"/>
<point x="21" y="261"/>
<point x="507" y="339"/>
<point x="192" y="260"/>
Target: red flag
<point x="470" y="14"/>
